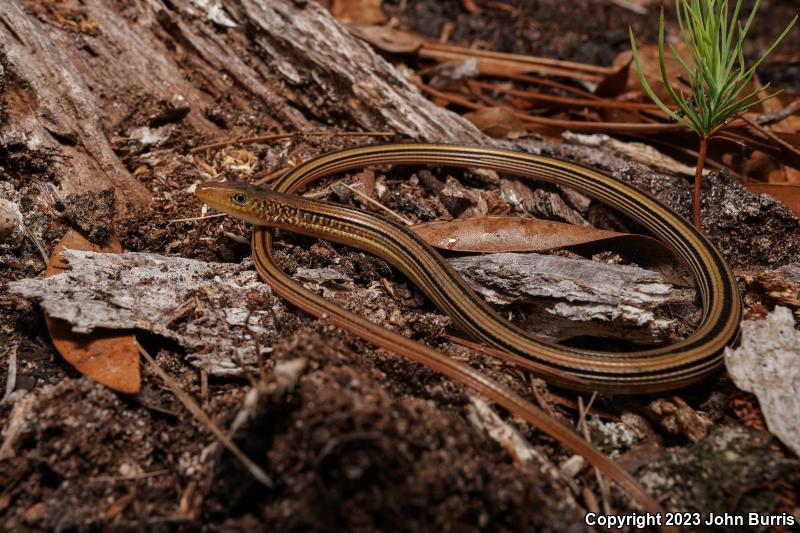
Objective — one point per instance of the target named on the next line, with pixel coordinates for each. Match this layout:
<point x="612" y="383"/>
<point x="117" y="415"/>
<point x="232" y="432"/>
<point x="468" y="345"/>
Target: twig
<point x="366" y="198"/>
<point x="771" y="136"/>
<point x="132" y="477"/>
<point x="765" y="119"/>
<point x="203" y="418"/>
<point x="192" y="219"/>
<point x="630" y="6"/>
<point x="204" y="386"/>
<point x="321" y="193"/>
<point x="35" y="241"/>
<point x="565" y="100"/>
<point x="262" y="368"/>
<point x="272" y="175"/>
<point x="11" y="209"/>
<point x="503" y="6"/>
<point x="499" y="63"/>
<point x="236" y="238"/>
<point x="572" y="125"/>
<point x="541" y="370"/>
<point x="583" y="412"/>
<point x="539" y="396"/>
<point x="584" y="428"/>
<point x="11" y="378"/>
<point x="698" y="181"/>
<point x="278" y="136"/>
<point x="447" y="31"/>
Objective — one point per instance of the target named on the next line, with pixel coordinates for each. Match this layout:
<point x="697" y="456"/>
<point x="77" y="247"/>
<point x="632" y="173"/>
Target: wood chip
<point x="620" y="300"/>
<point x="767" y="363"/>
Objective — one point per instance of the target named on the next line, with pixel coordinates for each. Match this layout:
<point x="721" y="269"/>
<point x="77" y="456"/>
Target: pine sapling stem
<point x="698" y="178"/>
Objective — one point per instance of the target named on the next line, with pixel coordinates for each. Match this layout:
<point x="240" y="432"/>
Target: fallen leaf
<point x="506" y="234"/>
<point x="497" y="122"/>
<point x="771" y="106"/>
<point x="109" y="357"/>
<point x="527" y="234"/>
<point x="387" y="39"/>
<point x="615" y="83"/>
<point x="648" y="57"/>
<point x="358" y="11"/>
<point x="510" y="234"/>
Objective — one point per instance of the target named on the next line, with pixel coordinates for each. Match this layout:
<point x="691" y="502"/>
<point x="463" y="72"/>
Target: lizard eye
<point x="240" y="198"/>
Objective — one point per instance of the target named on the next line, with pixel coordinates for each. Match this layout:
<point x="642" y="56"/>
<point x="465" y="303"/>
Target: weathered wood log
<point x="67" y="89"/>
<point x="51" y="111"/>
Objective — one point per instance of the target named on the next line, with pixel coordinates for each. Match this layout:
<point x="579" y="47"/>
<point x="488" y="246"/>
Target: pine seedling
<point x="719" y="76"/>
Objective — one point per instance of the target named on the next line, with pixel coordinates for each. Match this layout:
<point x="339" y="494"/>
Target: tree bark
<point x="69" y="93"/>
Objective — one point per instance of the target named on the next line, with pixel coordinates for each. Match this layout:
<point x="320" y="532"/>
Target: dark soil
<point x="363" y="440"/>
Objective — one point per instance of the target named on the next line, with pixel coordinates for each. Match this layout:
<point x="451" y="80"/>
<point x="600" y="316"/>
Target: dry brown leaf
<point x="527" y="234"/>
<point x="387" y="39"/>
<point x="508" y="234"/>
<point x="615" y="83"/>
<point x="648" y="56"/>
<point x="497" y="122"/>
<point x="358" y="11"/>
<point x="109" y="357"/>
<point x="774" y="105"/>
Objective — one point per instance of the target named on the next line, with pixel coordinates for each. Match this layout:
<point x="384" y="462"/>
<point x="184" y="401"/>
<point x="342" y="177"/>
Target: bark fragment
<point x="203" y="306"/>
<point x="767" y="363"/>
<point x="577" y="297"/>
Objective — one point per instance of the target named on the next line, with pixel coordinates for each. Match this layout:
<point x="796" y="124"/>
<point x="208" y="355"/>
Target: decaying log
<point x="67" y="90"/>
<point x="50" y="109"/>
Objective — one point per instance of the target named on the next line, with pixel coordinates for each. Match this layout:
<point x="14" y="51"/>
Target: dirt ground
<point x="362" y="440"/>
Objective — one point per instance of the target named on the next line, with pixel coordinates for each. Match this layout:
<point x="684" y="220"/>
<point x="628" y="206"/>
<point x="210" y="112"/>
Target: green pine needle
<point x="719" y="77"/>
